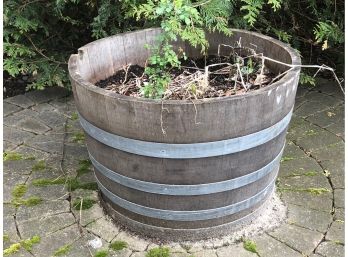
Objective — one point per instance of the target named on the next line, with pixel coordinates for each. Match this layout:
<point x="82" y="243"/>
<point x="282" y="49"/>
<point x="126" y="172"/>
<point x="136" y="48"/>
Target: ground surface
<point x="44" y="144"/>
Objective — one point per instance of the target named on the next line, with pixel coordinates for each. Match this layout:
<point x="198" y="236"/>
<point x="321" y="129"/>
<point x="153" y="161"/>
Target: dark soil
<point x="13" y="86"/>
<point x="220" y="84"/>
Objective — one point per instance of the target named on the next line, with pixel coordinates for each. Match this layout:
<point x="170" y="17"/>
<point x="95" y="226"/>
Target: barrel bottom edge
<point x="269" y="215"/>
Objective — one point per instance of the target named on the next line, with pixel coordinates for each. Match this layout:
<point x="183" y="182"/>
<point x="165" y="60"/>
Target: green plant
<point x="12" y="156"/>
<point x="101" y="253"/>
<point x="71" y="183"/>
<point x="62" y="250"/>
<point x="83" y="204"/>
<point x="19" y="190"/>
<point x="31" y="201"/>
<point x="250" y="246"/>
<point x="39" y="36"/>
<point x="39" y="166"/>
<point x="118" y="245"/>
<point x="84" y="167"/>
<point x="179" y="20"/>
<point x="158" y="252"/>
<point x="12" y="249"/>
<point x="29" y="243"/>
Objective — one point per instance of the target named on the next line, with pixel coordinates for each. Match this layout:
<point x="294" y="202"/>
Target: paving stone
<point x="339" y="198"/>
<point x="9" y="229"/>
<point x="121" y="253"/>
<point x="329" y="88"/>
<point x="270" y="247"/>
<point x="8" y="210"/>
<point x="104" y="228"/>
<point x="73" y="154"/>
<point x="178" y="255"/>
<point x="324" y="118"/>
<point x="308" y="218"/>
<point x="310" y="108"/>
<point x="336" y="170"/>
<point x="234" y="250"/>
<point x="337" y="129"/>
<point x="293" y="151"/>
<point x="20" y="100"/>
<point x="334" y="151"/>
<point x="52" y="118"/>
<point x="134" y="243"/>
<point x="317" y="97"/>
<point x="44" y="209"/>
<point x="10" y="108"/>
<point x="298" y="166"/>
<point x="21" y="253"/>
<point x="92" y="214"/>
<point x="295" y="122"/>
<point x="317" y="140"/>
<point x="50" y="193"/>
<point x="330" y="249"/>
<point x="45" y="225"/>
<point x="306" y="181"/>
<point x="43" y="108"/>
<point x="336" y="232"/>
<point x="299" y="101"/>
<point x="41" y="96"/>
<point x="339" y="214"/>
<point x="9" y="183"/>
<point x="51" y="243"/>
<point x="321" y="202"/>
<point x="51" y="143"/>
<point x="192" y="247"/>
<point x="33" y="125"/>
<point x="301" y="239"/>
<point x="8" y="146"/>
<point x="14" y="120"/>
<point x="83" y="193"/>
<point x="23" y="167"/>
<point x="301" y="91"/>
<point x="139" y="254"/>
<point x="206" y="253"/>
<point x="16" y="136"/>
<point x="80" y="247"/>
<point x="61" y="104"/>
<point x="88" y="177"/>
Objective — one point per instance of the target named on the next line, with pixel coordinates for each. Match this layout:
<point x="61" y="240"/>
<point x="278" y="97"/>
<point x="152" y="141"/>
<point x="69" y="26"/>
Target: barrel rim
<point x="76" y="77"/>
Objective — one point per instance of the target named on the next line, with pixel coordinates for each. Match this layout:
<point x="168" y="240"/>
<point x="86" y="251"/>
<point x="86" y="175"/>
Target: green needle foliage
<point x="39" y="36"/>
<point x="178" y="19"/>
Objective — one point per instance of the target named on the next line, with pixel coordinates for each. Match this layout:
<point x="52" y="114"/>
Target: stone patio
<point x="47" y="173"/>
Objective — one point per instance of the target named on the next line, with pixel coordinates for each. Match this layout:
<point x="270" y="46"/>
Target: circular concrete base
<point x="268" y="216"/>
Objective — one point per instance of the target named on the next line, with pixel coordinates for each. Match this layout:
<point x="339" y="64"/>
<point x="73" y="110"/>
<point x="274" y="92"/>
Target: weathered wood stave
<point x="218" y="119"/>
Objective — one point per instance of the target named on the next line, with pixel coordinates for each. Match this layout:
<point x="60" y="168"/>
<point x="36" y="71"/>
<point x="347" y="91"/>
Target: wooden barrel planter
<point x="218" y="159"/>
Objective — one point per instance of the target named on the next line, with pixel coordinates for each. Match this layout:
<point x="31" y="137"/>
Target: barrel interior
<point x="102" y="58"/>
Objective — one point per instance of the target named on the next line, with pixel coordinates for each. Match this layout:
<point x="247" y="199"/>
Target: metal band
<point x="199" y="189"/>
<point x="186" y="151"/>
<point x="188" y="215"/>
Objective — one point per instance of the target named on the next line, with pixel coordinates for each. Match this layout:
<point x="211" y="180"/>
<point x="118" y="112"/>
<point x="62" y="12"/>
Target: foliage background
<point x="40" y="35"/>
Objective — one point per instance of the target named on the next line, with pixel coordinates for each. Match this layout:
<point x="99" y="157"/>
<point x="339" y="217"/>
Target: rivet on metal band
<point x="186" y="151"/>
<point x="199" y="189"/>
<point x="188" y="215"/>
